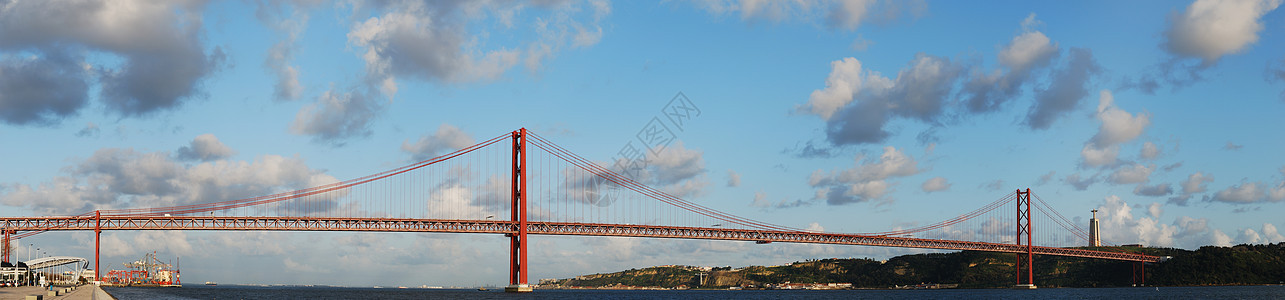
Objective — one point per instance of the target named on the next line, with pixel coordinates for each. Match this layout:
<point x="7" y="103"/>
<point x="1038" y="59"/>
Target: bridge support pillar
<point x="98" y="230"/>
<point x="1025" y="261"/>
<point x="518" y="240"/>
<point x="1139" y="274"/>
<point x="6" y="249"/>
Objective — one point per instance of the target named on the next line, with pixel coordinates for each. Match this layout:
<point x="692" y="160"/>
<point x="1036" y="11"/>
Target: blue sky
<point x="854" y="116"/>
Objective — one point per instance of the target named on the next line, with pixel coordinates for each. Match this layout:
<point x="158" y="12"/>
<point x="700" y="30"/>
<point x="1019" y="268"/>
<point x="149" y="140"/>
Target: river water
<point x="278" y="292"/>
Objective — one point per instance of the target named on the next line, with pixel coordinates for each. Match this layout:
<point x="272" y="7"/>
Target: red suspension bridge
<point x="545" y="189"/>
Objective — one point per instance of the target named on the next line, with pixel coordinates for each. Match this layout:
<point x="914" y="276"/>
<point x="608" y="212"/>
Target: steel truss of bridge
<point x="540" y="228"/>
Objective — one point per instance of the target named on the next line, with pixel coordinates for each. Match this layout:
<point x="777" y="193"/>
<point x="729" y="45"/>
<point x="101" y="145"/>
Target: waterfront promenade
<point x="84" y="292"/>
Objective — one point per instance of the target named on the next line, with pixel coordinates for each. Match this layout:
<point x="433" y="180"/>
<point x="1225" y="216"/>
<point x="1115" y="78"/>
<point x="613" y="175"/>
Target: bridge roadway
<point x="543" y="228"/>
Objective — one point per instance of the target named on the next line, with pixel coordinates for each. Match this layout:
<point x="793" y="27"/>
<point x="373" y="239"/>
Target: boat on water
<point x="211" y="283"/>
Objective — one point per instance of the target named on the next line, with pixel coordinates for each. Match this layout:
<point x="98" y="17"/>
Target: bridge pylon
<point x="98" y="233"/>
<point x="1139" y="274"/>
<point x="6" y="246"/>
<point x="518" y="240"/>
<point x="1025" y="261"/>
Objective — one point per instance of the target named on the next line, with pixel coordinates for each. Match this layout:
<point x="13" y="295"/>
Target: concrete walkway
<point x="84" y="292"/>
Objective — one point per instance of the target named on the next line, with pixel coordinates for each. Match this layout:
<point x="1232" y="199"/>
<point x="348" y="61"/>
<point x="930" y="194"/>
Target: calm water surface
<point x="254" y="292"/>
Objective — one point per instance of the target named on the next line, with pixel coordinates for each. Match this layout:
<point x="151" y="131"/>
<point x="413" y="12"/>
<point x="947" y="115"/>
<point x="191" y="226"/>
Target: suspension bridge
<point x="520" y="184"/>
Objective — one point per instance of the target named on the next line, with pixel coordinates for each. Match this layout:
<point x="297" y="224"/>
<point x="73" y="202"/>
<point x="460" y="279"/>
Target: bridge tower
<point x="6" y="245"/>
<point x="1139" y="274"/>
<point x="518" y="240"/>
<point x="98" y="233"/>
<point x="1025" y="261"/>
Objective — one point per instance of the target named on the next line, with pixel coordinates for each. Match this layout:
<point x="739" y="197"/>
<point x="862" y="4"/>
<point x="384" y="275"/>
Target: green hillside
<point x="1238" y="265"/>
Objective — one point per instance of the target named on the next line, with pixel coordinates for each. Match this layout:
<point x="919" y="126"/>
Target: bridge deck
<point x="544" y="228"/>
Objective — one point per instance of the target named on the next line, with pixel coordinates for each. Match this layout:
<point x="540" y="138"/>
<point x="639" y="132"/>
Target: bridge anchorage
<point x="464" y="191"/>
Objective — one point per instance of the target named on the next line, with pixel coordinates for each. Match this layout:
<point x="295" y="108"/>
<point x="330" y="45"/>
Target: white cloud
<point x="1249" y="236"/>
<point x="251" y="243"/>
<point x="205" y="147"/>
<point x="337" y="116"/>
<point x="836" y="14"/>
<point x="388" y="41"/>
<point x="865" y="181"/>
<point x="113" y="245"/>
<point x="845" y="80"/>
<point x="447" y="138"/>
<point x="1210" y="29"/>
<point x="42" y="90"/>
<point x="733" y="178"/>
<point x="164" y="61"/>
<point x="688" y="188"/>
<point x="294" y="266"/>
<point x="121" y="244"/>
<point x="1157" y="190"/>
<point x="292" y="25"/>
<point x="677" y="170"/>
<point x="1149" y="151"/>
<point x="1079" y="183"/>
<point x="857" y="105"/>
<point x="1250" y="192"/>
<point x="920" y="90"/>
<point x="1031" y="49"/>
<point x="1271" y="235"/>
<point x="116" y="178"/>
<point x="1023" y="56"/>
<point x="935" y="184"/>
<point x="1155" y="209"/>
<point x="455" y="201"/>
<point x="1046" y="178"/>
<point x="1277" y="193"/>
<point x="1135" y="173"/>
<point x="760" y="200"/>
<point x="1068" y="85"/>
<point x="676" y="163"/>
<point x="1096" y="157"/>
<point x="849" y="14"/>
<point x="1119" y="226"/>
<point x="565" y="26"/>
<point x="1196" y="183"/>
<point x="167" y="241"/>
<point x="1220" y="239"/>
<point x="591" y="34"/>
<point x="1118" y="127"/>
<point x="431" y="40"/>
